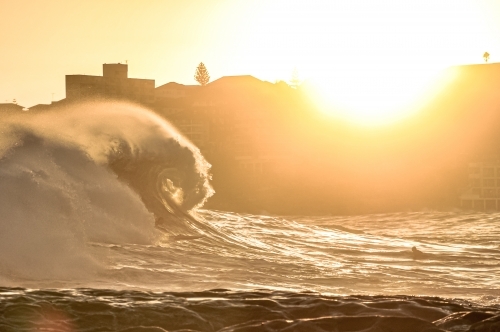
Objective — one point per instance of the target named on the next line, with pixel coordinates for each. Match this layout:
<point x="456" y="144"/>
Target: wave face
<point x="104" y="172"/>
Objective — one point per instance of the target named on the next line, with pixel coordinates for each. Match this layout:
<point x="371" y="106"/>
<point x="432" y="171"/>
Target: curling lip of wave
<point x="92" y="172"/>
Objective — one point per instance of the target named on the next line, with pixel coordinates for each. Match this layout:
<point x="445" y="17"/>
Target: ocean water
<point x="102" y="229"/>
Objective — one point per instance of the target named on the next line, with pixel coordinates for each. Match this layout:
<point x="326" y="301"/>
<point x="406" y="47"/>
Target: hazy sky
<point x="387" y="42"/>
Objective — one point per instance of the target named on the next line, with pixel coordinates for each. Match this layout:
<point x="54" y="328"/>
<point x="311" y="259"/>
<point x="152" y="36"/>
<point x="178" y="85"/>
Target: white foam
<point x="58" y="191"/>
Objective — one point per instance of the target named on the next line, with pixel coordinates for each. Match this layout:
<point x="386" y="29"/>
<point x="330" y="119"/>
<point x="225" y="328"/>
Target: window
<point x="489" y="193"/>
<point x="489" y="172"/>
<point x="474" y="170"/>
<point x="488" y="182"/>
<point x="476" y="182"/>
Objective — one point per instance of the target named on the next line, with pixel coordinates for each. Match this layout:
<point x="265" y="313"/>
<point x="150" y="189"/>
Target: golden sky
<point x="351" y="48"/>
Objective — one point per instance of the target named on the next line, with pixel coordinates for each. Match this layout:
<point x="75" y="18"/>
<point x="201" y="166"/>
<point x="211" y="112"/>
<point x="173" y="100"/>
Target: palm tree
<point x="486" y="56"/>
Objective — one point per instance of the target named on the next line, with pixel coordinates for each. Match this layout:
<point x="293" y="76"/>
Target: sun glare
<point x="372" y="96"/>
<point x="369" y="61"/>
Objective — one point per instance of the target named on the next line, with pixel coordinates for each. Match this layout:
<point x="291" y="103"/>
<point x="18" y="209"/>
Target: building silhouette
<point x="10" y="107"/>
<point x="114" y="84"/>
<point x="231" y="116"/>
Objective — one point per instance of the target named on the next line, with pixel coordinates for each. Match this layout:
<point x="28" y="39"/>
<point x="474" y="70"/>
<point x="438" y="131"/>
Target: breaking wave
<point x="107" y="172"/>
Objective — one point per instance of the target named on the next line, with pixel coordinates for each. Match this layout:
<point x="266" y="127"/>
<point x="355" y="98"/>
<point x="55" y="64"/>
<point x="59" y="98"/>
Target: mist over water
<point x="95" y="172"/>
<point x="109" y="196"/>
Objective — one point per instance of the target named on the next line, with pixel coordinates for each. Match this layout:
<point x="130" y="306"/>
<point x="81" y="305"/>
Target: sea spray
<point x="91" y="172"/>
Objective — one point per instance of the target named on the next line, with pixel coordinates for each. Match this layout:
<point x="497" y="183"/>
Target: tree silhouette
<point x="202" y="75"/>
<point x="486" y="56"/>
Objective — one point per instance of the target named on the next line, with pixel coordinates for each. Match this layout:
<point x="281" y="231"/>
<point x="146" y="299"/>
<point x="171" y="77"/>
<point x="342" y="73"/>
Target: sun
<point x="369" y="61"/>
<point x="372" y="95"/>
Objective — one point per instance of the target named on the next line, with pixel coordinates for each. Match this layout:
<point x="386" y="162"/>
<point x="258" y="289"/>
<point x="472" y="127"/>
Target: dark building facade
<point x="114" y="84"/>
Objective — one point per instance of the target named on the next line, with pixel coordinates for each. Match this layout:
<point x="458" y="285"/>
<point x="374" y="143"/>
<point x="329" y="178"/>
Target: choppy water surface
<point x="340" y="255"/>
<point x="333" y="255"/>
<point x="224" y="311"/>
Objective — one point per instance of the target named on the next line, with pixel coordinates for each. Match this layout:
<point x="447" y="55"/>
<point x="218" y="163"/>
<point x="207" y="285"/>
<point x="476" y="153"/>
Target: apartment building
<point x="483" y="190"/>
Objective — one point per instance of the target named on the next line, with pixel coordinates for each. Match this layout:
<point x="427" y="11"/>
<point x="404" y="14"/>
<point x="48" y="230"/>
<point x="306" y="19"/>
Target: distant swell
<point x="95" y="172"/>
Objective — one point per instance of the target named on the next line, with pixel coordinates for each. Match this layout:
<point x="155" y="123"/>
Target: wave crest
<point x="103" y="172"/>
